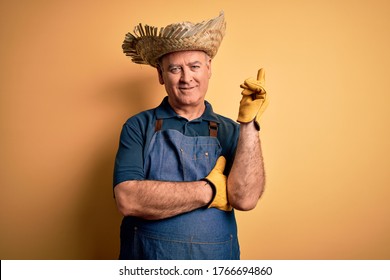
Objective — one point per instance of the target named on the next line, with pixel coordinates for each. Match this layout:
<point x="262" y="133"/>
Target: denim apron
<point x="205" y="233"/>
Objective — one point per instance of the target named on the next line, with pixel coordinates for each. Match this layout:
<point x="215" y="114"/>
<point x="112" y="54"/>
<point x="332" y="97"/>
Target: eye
<point x="175" y="69"/>
<point x="195" y="67"/>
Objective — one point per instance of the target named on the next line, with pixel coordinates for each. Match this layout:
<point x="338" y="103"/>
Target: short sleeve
<point x="129" y="158"/>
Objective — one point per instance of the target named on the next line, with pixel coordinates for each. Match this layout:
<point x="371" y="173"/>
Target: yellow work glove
<point x="218" y="182"/>
<point x="254" y="99"/>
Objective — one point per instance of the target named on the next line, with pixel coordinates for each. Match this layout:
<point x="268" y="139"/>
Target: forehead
<point x="184" y="57"/>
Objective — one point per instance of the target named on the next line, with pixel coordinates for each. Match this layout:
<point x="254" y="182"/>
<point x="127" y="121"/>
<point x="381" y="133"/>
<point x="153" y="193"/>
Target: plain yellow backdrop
<point x="66" y="89"/>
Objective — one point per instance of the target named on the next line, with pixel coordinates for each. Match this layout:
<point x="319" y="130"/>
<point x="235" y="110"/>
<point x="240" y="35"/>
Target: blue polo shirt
<point x="137" y="133"/>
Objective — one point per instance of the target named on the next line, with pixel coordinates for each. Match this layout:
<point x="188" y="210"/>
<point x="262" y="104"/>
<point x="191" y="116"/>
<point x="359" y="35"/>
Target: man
<point x="181" y="168"/>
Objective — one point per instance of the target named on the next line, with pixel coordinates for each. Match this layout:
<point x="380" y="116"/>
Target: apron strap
<point x="213" y="127"/>
<point x="158" y="125"/>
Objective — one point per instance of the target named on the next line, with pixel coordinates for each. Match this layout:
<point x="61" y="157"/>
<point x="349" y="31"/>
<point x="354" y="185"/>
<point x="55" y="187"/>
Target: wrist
<point x="250" y="126"/>
<point x="210" y="191"/>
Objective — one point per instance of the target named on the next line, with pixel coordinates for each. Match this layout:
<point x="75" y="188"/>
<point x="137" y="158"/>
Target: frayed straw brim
<point x="148" y="43"/>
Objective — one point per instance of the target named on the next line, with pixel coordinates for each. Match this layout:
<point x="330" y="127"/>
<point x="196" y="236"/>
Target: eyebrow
<point x="195" y="62"/>
<point x="179" y="65"/>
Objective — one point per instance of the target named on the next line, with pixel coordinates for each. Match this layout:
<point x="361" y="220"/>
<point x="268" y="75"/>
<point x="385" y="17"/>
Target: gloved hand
<point x="254" y="99"/>
<point x="218" y="182"/>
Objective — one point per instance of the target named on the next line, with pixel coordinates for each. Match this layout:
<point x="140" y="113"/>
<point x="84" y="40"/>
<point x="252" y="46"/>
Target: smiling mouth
<point x="186" y="88"/>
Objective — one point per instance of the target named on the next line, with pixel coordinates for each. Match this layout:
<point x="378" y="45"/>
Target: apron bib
<point x="199" y="234"/>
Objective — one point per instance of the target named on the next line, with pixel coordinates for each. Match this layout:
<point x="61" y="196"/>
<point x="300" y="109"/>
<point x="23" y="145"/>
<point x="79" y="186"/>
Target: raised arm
<point x="247" y="177"/>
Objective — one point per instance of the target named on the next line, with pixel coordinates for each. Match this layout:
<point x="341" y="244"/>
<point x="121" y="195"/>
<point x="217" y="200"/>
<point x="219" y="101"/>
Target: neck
<point x="190" y="112"/>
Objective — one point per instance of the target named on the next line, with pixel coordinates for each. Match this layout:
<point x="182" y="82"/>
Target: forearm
<point x="247" y="178"/>
<point x="159" y="199"/>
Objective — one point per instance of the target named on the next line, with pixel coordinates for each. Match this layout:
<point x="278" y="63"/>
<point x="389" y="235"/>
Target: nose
<point x="186" y="76"/>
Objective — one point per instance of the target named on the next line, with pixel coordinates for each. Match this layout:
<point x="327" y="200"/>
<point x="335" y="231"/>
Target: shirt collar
<point x="165" y="111"/>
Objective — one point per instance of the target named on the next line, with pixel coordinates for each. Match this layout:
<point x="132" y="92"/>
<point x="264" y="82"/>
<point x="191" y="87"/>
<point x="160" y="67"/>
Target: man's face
<point x="185" y="75"/>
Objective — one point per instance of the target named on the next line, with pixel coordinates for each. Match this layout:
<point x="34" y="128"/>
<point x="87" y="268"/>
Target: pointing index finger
<point x="261" y="75"/>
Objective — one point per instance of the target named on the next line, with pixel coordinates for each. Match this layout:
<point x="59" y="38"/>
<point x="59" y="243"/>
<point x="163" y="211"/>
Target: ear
<point x="209" y="67"/>
<point x="160" y="77"/>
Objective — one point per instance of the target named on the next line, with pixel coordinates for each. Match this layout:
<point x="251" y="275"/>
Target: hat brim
<point x="147" y="45"/>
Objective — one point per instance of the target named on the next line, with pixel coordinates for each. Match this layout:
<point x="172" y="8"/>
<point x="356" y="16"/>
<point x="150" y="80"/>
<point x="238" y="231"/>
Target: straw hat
<point x="148" y="44"/>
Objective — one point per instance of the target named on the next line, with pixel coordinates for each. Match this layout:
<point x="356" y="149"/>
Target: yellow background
<point x="66" y="89"/>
